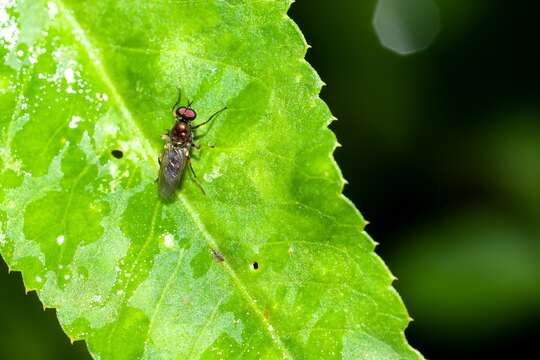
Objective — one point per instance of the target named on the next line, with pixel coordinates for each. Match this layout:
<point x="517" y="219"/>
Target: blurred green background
<point x="441" y="148"/>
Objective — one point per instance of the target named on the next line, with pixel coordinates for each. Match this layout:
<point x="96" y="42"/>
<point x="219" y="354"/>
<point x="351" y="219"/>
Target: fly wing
<point x="173" y="162"/>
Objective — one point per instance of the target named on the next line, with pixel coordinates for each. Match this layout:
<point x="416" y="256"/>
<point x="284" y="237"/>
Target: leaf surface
<point x="137" y="277"/>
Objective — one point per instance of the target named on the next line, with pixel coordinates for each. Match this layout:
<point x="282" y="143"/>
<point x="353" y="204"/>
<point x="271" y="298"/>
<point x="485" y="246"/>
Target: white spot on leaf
<point x="53" y="9"/>
<point x="212" y="175"/>
<point x="69" y="75"/>
<point x="9" y="32"/>
<point x="168" y="240"/>
<point x="74" y="121"/>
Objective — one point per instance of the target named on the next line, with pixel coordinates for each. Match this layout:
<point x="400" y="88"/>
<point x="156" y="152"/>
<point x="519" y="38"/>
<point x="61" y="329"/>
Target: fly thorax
<point x="181" y="133"/>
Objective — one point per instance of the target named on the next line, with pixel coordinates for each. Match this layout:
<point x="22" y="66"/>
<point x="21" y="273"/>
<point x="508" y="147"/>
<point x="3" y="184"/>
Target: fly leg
<point x="198" y="146"/>
<point x="159" y="162"/>
<point x="195" y="177"/>
<point x="210" y="118"/>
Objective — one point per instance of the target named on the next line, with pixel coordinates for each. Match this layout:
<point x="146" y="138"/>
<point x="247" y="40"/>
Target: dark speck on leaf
<point x="255" y="265"/>
<point x="218" y="255"/>
<point x="117" y="154"/>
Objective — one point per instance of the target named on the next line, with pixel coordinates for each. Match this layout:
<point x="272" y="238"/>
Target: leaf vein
<point x="243" y="291"/>
<point x="164" y="291"/>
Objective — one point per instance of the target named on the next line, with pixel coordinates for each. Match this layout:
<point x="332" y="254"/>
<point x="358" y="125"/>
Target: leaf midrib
<point x="210" y="240"/>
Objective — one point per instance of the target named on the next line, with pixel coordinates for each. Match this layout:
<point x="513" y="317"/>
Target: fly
<point x="176" y="152"/>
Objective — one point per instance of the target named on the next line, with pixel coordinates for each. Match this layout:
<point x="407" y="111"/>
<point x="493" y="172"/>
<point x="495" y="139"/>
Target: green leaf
<point x="136" y="277"/>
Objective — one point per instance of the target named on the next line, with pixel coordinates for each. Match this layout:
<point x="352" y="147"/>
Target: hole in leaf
<point x="255" y="265"/>
<point x="117" y="154"/>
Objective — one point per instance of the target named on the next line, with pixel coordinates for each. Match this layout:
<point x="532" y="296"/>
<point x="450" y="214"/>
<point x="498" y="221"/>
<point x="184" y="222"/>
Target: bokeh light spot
<point x="406" y="26"/>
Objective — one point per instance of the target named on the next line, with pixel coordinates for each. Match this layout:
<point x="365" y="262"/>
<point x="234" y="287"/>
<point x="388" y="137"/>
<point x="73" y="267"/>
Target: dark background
<point x="442" y="152"/>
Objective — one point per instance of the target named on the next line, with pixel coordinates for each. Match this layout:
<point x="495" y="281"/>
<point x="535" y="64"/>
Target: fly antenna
<point x="178" y="100"/>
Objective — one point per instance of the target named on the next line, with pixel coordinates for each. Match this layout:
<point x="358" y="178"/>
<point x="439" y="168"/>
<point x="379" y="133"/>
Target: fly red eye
<point x="181" y="111"/>
<point x="186" y="113"/>
<point x="189" y="114"/>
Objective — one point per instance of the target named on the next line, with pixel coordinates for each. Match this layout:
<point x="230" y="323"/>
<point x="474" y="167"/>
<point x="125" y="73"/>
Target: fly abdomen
<point x="173" y="162"/>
